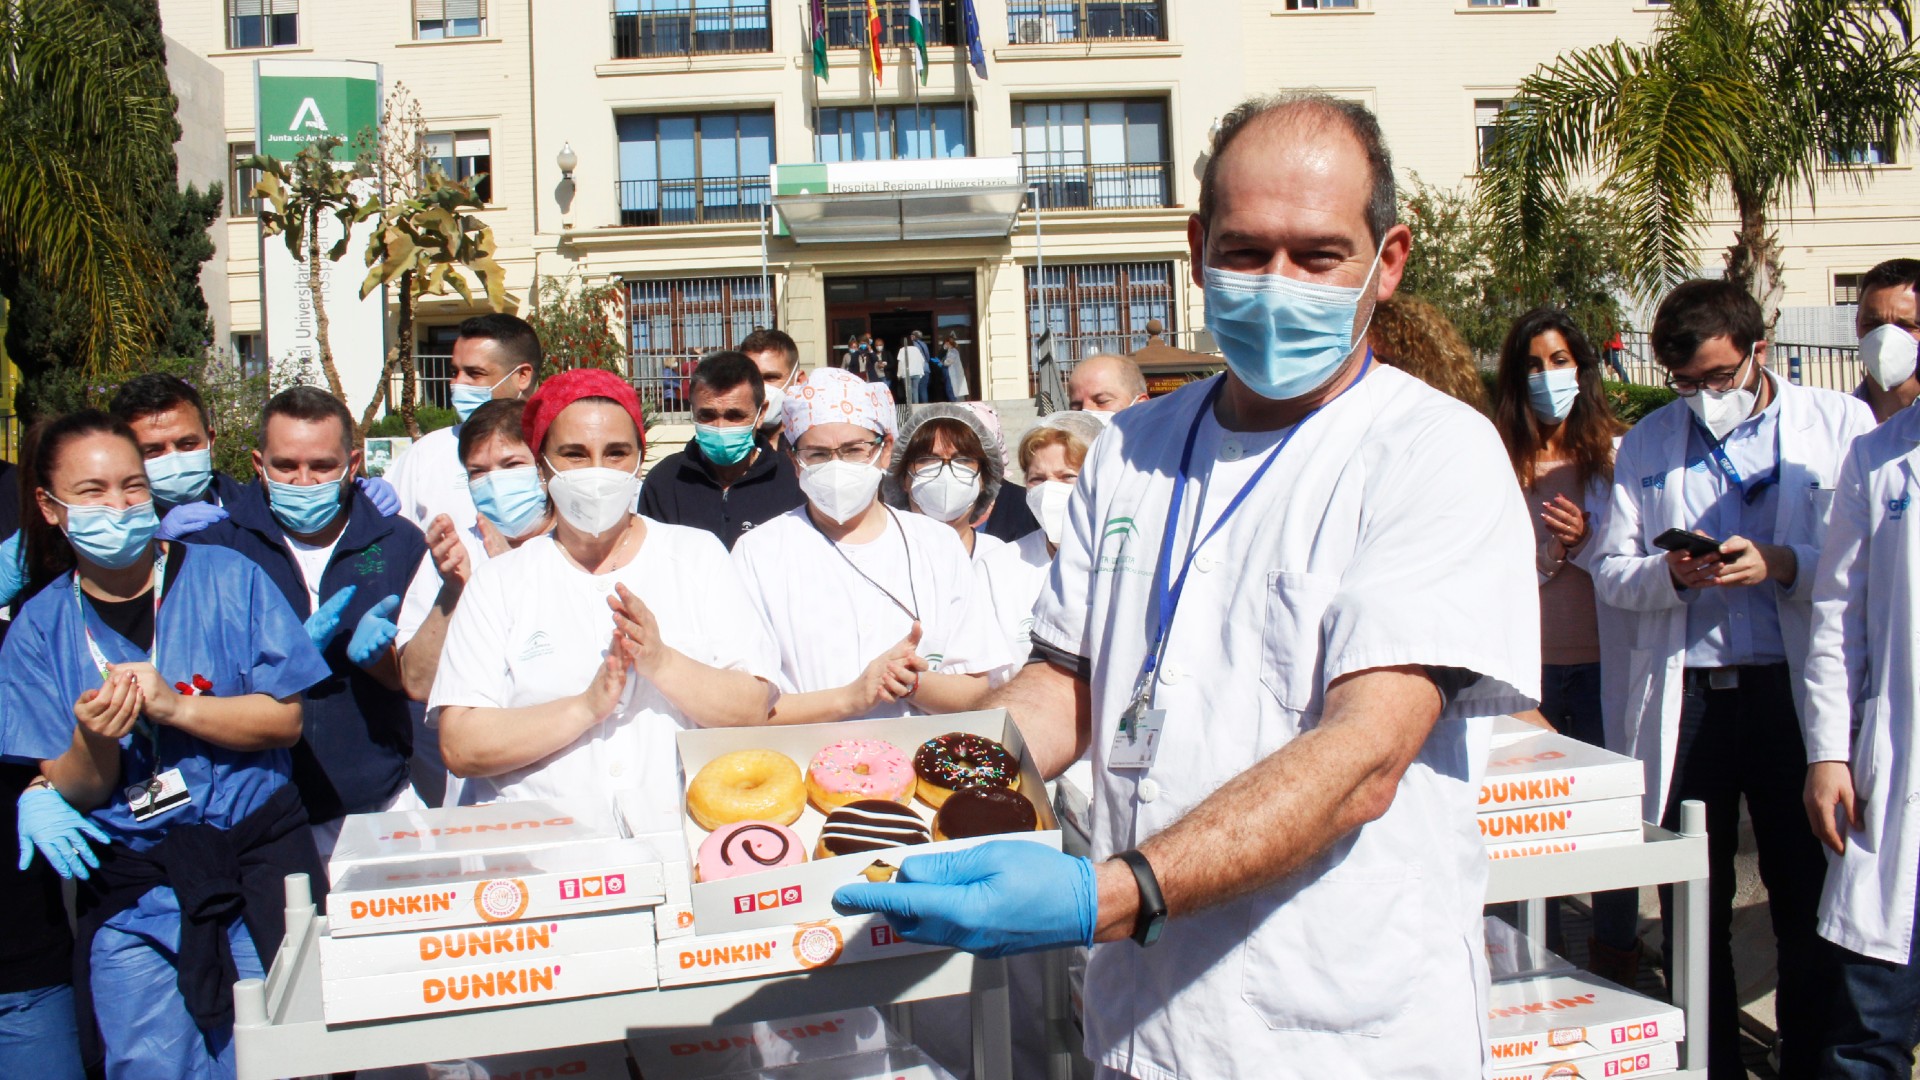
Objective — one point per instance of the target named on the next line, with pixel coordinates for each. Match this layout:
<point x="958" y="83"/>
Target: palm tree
<point x="86" y="129"/>
<point x="1756" y="100"/>
<point x="296" y="197"/>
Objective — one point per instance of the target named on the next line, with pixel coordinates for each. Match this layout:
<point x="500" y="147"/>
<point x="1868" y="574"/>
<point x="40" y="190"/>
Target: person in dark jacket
<point x="729" y="478"/>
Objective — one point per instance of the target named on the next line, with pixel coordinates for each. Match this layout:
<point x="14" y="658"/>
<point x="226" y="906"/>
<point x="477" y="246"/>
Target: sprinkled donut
<point x="957" y="760"/>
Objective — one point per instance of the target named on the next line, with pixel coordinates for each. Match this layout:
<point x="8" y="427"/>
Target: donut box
<point x="1527" y="849"/>
<point x="403" y="835"/>
<point x="1540" y="768"/>
<point x="802" y="893"/>
<point x="780" y="950"/>
<point x="1650" y="1061"/>
<point x="428" y="951"/>
<point x="508" y="887"/>
<point x="1560" y="820"/>
<point x="704" y="1053"/>
<point x="1513" y="955"/>
<point x="1572" y="1016"/>
<point x="599" y="1061"/>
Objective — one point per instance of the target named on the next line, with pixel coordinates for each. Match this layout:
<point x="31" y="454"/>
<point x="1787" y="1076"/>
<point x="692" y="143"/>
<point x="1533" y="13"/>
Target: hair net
<point x="993" y="470"/>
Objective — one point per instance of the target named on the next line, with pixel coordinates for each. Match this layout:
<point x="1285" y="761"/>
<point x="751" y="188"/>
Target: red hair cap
<point x="562" y="390"/>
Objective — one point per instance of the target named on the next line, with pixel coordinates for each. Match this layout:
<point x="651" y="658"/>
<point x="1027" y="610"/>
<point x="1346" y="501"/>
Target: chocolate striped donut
<point x="870" y="825"/>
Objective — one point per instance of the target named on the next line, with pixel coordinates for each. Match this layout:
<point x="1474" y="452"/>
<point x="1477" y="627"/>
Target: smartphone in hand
<point x="1692" y="543"/>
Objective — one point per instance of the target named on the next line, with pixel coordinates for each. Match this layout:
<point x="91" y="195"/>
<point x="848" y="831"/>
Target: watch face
<point x="1154" y="926"/>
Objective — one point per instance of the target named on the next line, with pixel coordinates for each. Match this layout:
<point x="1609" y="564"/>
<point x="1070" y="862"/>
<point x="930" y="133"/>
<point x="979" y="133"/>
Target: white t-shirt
<point x="1013" y="576"/>
<point x="830" y="623"/>
<point x="431" y="480"/>
<point x="312" y="560"/>
<point x="532" y="628"/>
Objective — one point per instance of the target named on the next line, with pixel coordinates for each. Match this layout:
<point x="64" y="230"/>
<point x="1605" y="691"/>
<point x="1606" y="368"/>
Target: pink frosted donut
<point x="858" y="769"/>
<point x="747" y="847"/>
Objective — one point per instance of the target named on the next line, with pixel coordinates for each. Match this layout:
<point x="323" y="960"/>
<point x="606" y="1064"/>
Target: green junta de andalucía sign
<point x="298" y="101"/>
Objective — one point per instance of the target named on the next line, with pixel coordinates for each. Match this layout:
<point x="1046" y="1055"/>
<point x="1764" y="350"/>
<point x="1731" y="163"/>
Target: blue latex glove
<point x="997" y="899"/>
<point x="59" y="831"/>
<point x="376" y="631"/>
<point x="13" y="568"/>
<point x="385" y="499"/>
<point x="189" y="518"/>
<point x="322" y="625"/>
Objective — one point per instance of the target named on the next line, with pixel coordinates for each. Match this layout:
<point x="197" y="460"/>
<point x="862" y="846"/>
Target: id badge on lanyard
<point x="164" y="789"/>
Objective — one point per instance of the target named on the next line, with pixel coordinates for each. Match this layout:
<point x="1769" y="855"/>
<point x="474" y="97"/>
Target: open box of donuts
<point x="772" y="857"/>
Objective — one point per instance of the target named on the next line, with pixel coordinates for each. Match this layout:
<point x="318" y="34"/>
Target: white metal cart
<point x="1666" y="858"/>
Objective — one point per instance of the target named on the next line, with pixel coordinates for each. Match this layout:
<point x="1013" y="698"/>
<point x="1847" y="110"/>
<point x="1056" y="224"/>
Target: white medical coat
<point x="431" y="480"/>
<point x="1860" y="676"/>
<point x="1390" y="532"/>
<point x="1643" y="645"/>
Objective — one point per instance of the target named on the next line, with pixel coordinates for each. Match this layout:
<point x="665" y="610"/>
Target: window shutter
<point x="429" y="10"/>
<point x="471" y="143"/>
<point x="282" y="7"/>
<point x="243" y="9"/>
<point x="464" y="9"/>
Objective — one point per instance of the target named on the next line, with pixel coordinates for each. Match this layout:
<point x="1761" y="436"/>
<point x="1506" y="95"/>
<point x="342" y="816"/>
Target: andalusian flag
<point x="873" y="39"/>
<point x="817" y="9"/>
<point x="918" y="30"/>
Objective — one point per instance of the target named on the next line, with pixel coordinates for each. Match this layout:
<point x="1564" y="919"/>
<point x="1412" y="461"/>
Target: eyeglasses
<point x="965" y="470"/>
<point x="853" y="453"/>
<point x="1719" y="382"/>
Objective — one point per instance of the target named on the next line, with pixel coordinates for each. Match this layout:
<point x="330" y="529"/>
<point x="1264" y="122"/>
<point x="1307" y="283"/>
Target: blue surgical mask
<point x="467" y="398"/>
<point x="110" y="537"/>
<point x="1552" y="393"/>
<point x="1283" y="338"/>
<point x="180" y="477"/>
<point x="303" y="509"/>
<point x="724" y="445"/>
<point x="512" y="499"/>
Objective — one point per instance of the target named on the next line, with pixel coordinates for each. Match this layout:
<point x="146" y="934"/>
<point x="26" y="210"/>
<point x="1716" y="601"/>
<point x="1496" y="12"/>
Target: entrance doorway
<point x="890" y="307"/>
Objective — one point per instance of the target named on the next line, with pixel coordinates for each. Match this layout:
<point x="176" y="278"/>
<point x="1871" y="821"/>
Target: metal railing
<point x="709" y="200"/>
<point x="665" y="387"/>
<point x="738" y="27"/>
<point x="1833" y="367"/>
<point x="433" y="377"/>
<point x="1096" y="187"/>
<point x="1039" y="22"/>
<point x="1069" y="350"/>
<point x="847" y="23"/>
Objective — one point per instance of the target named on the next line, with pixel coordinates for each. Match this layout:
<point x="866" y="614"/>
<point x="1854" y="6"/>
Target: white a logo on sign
<point x="308" y="116"/>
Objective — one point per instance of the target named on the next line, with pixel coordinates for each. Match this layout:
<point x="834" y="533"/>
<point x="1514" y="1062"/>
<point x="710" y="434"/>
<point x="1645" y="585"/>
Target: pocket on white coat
<point x="1290" y="652"/>
<point x="1822" y="500"/>
<point x="1342" y="955"/>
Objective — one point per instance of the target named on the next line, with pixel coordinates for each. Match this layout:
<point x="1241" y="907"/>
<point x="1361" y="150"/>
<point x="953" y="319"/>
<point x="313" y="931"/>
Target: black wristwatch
<point x="1152" y="917"/>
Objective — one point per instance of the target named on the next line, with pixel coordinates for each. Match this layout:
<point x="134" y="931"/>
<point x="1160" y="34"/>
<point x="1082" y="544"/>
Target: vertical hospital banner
<point x="296" y="102"/>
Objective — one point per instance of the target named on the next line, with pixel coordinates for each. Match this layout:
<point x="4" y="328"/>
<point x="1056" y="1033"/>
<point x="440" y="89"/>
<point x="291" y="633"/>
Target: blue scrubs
<point x="224" y="621"/>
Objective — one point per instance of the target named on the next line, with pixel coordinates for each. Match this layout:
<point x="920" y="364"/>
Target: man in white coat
<point x="1288" y="602"/>
<point x="1701" y="681"/>
<point x="1862" y="789"/>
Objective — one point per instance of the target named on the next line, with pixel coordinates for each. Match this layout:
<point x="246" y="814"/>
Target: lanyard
<point x="1167" y="599"/>
<point x="913" y="589"/>
<point x="153" y="650"/>
<point x="1718" y="450"/>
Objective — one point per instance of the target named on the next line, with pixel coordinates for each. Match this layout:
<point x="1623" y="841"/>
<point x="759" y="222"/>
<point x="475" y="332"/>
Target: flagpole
<point x="873" y="80"/>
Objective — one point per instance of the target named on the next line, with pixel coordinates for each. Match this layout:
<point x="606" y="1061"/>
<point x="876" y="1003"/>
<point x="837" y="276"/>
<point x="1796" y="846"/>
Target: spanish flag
<point x="873" y="39"/>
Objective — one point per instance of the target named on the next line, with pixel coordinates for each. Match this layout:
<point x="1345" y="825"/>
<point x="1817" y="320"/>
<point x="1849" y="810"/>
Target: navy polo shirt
<point x="682" y="490"/>
<point x="352" y="756"/>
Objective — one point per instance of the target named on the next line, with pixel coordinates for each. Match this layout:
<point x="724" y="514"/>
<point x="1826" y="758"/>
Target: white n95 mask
<point x="945" y="497"/>
<point x="593" y="500"/>
<point x="840" y="489"/>
<point x="1720" y="411"/>
<point x="1889" y="353"/>
<point x="1048" y="501"/>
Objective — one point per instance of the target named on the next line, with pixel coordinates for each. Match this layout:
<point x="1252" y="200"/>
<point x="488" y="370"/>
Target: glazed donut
<point x="747" y="847"/>
<point x="957" y="760"/>
<point x="870" y="825"/>
<point x="858" y="769"/>
<point x="984" y="811"/>
<point x="746" y="785"/>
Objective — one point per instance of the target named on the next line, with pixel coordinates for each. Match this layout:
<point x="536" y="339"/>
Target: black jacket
<point x="682" y="490"/>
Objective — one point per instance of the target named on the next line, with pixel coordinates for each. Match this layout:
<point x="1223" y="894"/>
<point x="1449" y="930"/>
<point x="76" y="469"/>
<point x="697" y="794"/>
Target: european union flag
<point x="976" y="53"/>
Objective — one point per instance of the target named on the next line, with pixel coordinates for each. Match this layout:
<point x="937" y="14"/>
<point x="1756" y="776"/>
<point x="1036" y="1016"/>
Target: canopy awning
<point x="878" y="201"/>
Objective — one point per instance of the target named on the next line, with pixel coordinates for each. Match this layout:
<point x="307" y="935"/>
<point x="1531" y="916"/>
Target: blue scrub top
<point x="221" y="619"/>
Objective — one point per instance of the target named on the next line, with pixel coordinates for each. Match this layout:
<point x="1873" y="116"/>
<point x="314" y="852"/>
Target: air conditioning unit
<point x="1031" y="31"/>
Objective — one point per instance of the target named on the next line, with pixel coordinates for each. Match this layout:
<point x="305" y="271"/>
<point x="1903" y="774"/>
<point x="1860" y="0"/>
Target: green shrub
<point x="428" y="417"/>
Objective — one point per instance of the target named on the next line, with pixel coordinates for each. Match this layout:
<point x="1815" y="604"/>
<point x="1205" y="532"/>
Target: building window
<point x="673" y="323"/>
<point x="1093" y="154"/>
<point x="1099" y="307"/>
<point x="1323" y="5"/>
<point x="1846" y="289"/>
<point x="928" y="131"/>
<point x="693" y="168"/>
<point x="1873" y="152"/>
<point x="462" y="156"/>
<point x="1506" y="3"/>
<point x="437" y="20"/>
<point x="262" y="24"/>
<point x="1034" y="22"/>
<point x="1486" y="115"/>
<point x="249" y="353"/>
<point x="240" y="181"/>
<point x="682" y="27"/>
<point x="847" y="23"/>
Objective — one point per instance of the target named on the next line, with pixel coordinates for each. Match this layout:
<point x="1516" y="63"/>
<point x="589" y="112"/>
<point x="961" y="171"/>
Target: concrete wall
<point x="199" y="88"/>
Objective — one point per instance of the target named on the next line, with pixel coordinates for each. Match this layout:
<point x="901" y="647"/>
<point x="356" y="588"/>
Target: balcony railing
<point x="1098" y="187"/>
<point x="1038" y="22"/>
<point x="847" y="23"/>
<point x="710" y="200"/>
<point x="739" y="27"/>
<point x="1831" y="367"/>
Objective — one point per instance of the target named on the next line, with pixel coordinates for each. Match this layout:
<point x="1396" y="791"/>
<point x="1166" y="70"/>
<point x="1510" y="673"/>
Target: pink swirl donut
<point x="858" y="769"/>
<point x="747" y="847"/>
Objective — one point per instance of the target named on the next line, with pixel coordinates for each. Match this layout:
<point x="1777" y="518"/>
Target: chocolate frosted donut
<point x="870" y="825"/>
<point x="956" y="760"/>
<point x="984" y="811"/>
